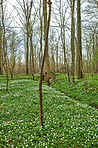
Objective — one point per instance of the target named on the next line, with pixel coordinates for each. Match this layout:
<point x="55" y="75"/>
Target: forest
<point x="49" y="73"/>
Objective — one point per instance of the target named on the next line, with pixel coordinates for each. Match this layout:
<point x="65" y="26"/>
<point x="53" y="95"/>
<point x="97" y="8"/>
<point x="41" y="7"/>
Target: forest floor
<point x="77" y="91"/>
<point x="68" y="123"/>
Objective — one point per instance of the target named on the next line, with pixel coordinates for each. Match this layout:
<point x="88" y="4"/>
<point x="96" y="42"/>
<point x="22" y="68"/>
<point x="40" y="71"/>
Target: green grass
<point x="77" y="91"/>
<point x="67" y="122"/>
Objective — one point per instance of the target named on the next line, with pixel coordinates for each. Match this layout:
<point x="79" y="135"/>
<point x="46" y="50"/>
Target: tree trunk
<point x="96" y="61"/>
<point x="79" y="39"/>
<point x="27" y="12"/>
<point x="27" y="52"/>
<point x="53" y="63"/>
<point x="7" y="80"/>
<point x="46" y="66"/>
<point x="87" y="50"/>
<point x="40" y="53"/>
<point x="31" y="54"/>
<point x="1" y="72"/>
<point x="11" y="72"/>
<point x="30" y="61"/>
<point x="93" y="51"/>
<point x="57" y="58"/>
<point x="4" y="51"/>
<point x="43" y="61"/>
<point x="72" y="39"/>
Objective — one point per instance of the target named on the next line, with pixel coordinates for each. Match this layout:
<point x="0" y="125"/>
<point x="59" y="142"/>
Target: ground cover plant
<point x="76" y="90"/>
<point x="67" y="123"/>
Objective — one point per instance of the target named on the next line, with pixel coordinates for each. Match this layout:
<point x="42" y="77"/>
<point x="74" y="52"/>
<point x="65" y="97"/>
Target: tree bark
<point x="27" y="52"/>
<point x="4" y="51"/>
<point x="43" y="61"/>
<point x="79" y="39"/>
<point x="96" y="61"/>
<point x="57" y="57"/>
<point x="46" y="65"/>
<point x="72" y="39"/>
<point x="7" y="80"/>
<point x="41" y="29"/>
<point x="1" y="72"/>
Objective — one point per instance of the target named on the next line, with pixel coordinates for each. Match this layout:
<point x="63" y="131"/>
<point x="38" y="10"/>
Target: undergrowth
<point x="67" y="122"/>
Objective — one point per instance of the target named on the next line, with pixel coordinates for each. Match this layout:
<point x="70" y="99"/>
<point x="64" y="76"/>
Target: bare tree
<point x="11" y="60"/>
<point x="79" y="39"/>
<point x="72" y="2"/>
<point x="46" y="66"/>
<point x="27" y="11"/>
<point x="4" y="48"/>
<point x="41" y="36"/>
<point x="43" y="61"/>
<point x="0" y="40"/>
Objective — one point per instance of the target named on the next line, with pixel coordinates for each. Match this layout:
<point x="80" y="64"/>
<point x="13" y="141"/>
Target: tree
<point x="79" y="44"/>
<point x="72" y="2"/>
<point x="96" y="51"/>
<point x="62" y="27"/>
<point x="43" y="61"/>
<point x="41" y="36"/>
<point x="0" y="40"/>
<point x="11" y="61"/>
<point x="27" y="11"/>
<point x="4" y="48"/>
<point x="46" y="66"/>
<point x="89" y="27"/>
<point x="52" y="56"/>
<point x="19" y="61"/>
<point x="57" y="57"/>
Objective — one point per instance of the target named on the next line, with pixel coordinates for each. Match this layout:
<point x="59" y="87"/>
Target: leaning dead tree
<point x="43" y="61"/>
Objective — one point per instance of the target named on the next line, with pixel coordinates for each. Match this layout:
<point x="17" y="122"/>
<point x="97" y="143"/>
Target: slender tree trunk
<point x="72" y="39"/>
<point x="30" y="61"/>
<point x="53" y="62"/>
<point x="31" y="54"/>
<point x="7" y="80"/>
<point x="11" y="76"/>
<point x="43" y="61"/>
<point x="0" y="51"/>
<point x="11" y="72"/>
<point x="40" y="53"/>
<point x="1" y="72"/>
<point x="82" y="69"/>
<point x="4" y="60"/>
<point x="76" y="59"/>
<point x="19" y="62"/>
<point x="27" y="12"/>
<point x="57" y="57"/>
<point x="46" y="66"/>
<point x="87" y="49"/>
<point x="65" y="60"/>
<point x="93" y="58"/>
<point x="79" y="38"/>
<point x="96" y="59"/>
<point x="35" y="57"/>
<point x="27" y="52"/>
<point x="68" y="73"/>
